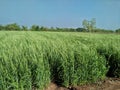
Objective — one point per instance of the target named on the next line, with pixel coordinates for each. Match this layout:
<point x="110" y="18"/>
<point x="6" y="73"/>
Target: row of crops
<point x="31" y="60"/>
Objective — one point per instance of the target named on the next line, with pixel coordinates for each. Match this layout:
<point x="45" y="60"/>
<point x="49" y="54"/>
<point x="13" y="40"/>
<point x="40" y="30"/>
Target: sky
<point x="61" y="13"/>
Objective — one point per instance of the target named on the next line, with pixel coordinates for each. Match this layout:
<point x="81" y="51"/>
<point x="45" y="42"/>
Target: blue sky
<point x="61" y="13"/>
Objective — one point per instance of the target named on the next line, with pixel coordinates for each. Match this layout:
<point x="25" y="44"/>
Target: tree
<point x="35" y="28"/>
<point x="24" y="28"/>
<point x="85" y="24"/>
<point x="117" y="31"/>
<point x="42" y="28"/>
<point x="92" y="24"/>
<point x="81" y="30"/>
<point x="1" y="27"/>
<point x="13" y="26"/>
<point x="89" y="25"/>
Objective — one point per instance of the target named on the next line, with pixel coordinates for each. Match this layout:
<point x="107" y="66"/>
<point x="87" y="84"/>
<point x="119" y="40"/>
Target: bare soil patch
<point x="107" y="84"/>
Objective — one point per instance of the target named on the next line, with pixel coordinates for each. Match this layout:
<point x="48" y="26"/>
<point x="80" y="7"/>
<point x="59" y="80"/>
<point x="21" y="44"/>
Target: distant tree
<point x="13" y="26"/>
<point x="35" y="28"/>
<point x="59" y="29"/>
<point x="99" y="30"/>
<point x="92" y="24"/>
<point x="89" y="25"/>
<point x="1" y="27"/>
<point x="72" y="29"/>
<point x="117" y="31"/>
<point x="52" y="29"/>
<point x="42" y="28"/>
<point x="24" y="28"/>
<point x="81" y="30"/>
<point x="85" y="24"/>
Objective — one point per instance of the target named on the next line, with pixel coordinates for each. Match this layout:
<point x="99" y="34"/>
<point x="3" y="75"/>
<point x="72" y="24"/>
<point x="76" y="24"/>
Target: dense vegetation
<point x="34" y="59"/>
<point x="118" y="30"/>
<point x="87" y="27"/>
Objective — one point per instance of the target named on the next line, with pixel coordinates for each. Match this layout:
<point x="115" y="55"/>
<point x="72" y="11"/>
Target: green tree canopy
<point x="35" y="28"/>
<point x="24" y="28"/>
<point x="117" y="31"/>
<point x="89" y="25"/>
<point x="13" y="26"/>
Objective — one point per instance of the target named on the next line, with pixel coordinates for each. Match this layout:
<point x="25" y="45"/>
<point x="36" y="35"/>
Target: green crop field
<point x="31" y="59"/>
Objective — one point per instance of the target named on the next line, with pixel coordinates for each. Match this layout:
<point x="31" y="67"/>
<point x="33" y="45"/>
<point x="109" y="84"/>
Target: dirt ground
<point x="108" y="84"/>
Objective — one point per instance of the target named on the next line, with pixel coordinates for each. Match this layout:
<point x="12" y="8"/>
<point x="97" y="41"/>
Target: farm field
<point x="32" y="60"/>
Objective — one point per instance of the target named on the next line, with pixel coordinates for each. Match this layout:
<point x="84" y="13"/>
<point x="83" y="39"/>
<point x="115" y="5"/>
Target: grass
<point x="34" y="59"/>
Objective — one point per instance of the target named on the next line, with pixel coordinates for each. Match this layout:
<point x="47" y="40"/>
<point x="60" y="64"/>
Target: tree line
<point x="88" y="26"/>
